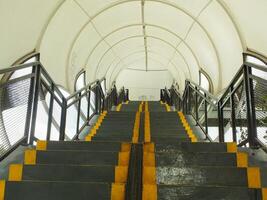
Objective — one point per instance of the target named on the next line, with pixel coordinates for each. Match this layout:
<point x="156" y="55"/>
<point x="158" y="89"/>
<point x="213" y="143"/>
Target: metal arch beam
<point x="160" y="1"/>
<point x="176" y="68"/>
<point x="125" y="39"/>
<point x="237" y="28"/>
<point x="148" y="25"/>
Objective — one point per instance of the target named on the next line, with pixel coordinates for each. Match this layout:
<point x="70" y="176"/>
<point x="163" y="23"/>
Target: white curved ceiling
<point x="107" y="37"/>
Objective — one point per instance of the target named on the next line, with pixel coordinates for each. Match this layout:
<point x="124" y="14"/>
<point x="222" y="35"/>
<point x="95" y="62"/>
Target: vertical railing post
<point x="88" y="103"/>
<point x="221" y="123"/>
<point x="35" y="102"/>
<point x="63" y="120"/>
<point x="50" y="112"/>
<point x="29" y="108"/>
<point x="78" y="114"/>
<point x="196" y="106"/>
<point x="233" y="121"/>
<point x="206" y="115"/>
<point x="251" y="113"/>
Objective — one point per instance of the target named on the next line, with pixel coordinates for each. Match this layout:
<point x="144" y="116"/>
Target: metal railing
<point x="239" y="115"/>
<point x="33" y="107"/>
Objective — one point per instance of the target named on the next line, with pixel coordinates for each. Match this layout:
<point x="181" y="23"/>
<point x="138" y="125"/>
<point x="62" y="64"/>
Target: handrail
<point x="82" y="104"/>
<point x="244" y="113"/>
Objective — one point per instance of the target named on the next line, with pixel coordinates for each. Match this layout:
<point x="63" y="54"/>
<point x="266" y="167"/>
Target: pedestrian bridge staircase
<point x="143" y="150"/>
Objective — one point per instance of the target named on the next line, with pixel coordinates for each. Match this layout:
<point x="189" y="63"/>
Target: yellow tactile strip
<point x="136" y="128"/>
<point x="187" y="127"/>
<point x="96" y="127"/>
<point x="147" y="134"/>
<point x="149" y="172"/>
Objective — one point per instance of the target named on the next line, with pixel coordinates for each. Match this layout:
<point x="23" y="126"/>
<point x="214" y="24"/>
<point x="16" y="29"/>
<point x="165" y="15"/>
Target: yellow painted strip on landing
<point x="241" y="159"/>
<point x="254" y="178"/>
<point x="124" y="158"/>
<point x="41" y="145"/>
<point x="15" y="172"/>
<point x="117" y="191"/>
<point x="149" y="175"/>
<point x="140" y="109"/>
<point x="125" y="147"/>
<point x="146" y="106"/>
<point x="149" y="192"/>
<point x="2" y="189"/>
<point x="121" y="173"/>
<point x="264" y="193"/>
<point x="30" y="157"/>
<point x="119" y="107"/>
<point x="231" y="147"/>
<point x="136" y="128"/>
<point x="147" y="127"/>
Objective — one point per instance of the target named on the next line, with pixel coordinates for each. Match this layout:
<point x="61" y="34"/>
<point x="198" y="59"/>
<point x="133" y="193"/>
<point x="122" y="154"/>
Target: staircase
<point x="142" y="150"/>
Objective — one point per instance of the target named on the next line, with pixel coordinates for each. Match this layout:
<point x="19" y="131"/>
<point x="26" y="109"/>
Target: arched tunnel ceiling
<point x="106" y="37"/>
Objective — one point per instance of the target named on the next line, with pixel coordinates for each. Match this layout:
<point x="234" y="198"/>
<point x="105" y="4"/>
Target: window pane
<point x="204" y="82"/>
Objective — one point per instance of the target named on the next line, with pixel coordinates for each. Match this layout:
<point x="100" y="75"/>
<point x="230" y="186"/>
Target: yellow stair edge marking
<point x="149" y="159"/>
<point x="149" y="192"/>
<point x="121" y="173"/>
<point x="118" y="108"/>
<point x="15" y="172"/>
<point x="41" y="145"/>
<point x="2" y="189"/>
<point x="188" y="129"/>
<point x="242" y="159"/>
<point x="231" y="147"/>
<point x="30" y="157"/>
<point x="125" y="147"/>
<point x="264" y="193"/>
<point x="98" y="123"/>
<point x="254" y="177"/>
<point x="147" y="128"/>
<point x="124" y="158"/>
<point x="146" y="106"/>
<point x="168" y="108"/>
<point x="136" y="128"/>
<point x="117" y="191"/>
<point x="149" y="175"/>
<point x="149" y="147"/>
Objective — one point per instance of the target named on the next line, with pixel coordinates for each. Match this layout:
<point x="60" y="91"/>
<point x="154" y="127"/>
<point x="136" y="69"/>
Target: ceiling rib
<point x="138" y="36"/>
<point x="190" y="28"/>
<point x="151" y="25"/>
<point x="144" y="33"/>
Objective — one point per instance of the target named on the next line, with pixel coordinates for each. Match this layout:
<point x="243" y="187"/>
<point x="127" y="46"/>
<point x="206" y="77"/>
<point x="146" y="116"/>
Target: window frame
<point x="82" y="72"/>
<point x="211" y="88"/>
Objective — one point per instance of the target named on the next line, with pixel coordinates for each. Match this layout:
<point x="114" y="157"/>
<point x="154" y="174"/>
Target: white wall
<point x="144" y="85"/>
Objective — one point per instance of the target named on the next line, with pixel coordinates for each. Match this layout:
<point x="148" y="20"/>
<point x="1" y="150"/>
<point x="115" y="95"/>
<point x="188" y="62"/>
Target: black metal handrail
<point x="240" y="114"/>
<point x="75" y="111"/>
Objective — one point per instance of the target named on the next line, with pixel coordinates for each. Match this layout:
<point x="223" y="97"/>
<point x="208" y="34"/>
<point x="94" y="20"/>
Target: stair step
<point x="77" y="157"/>
<point x="32" y="190"/>
<point x="199" y="176"/>
<point x="206" y="193"/>
<point x="81" y="145"/>
<point x="76" y="173"/>
<point x="190" y="147"/>
<point x="183" y="159"/>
